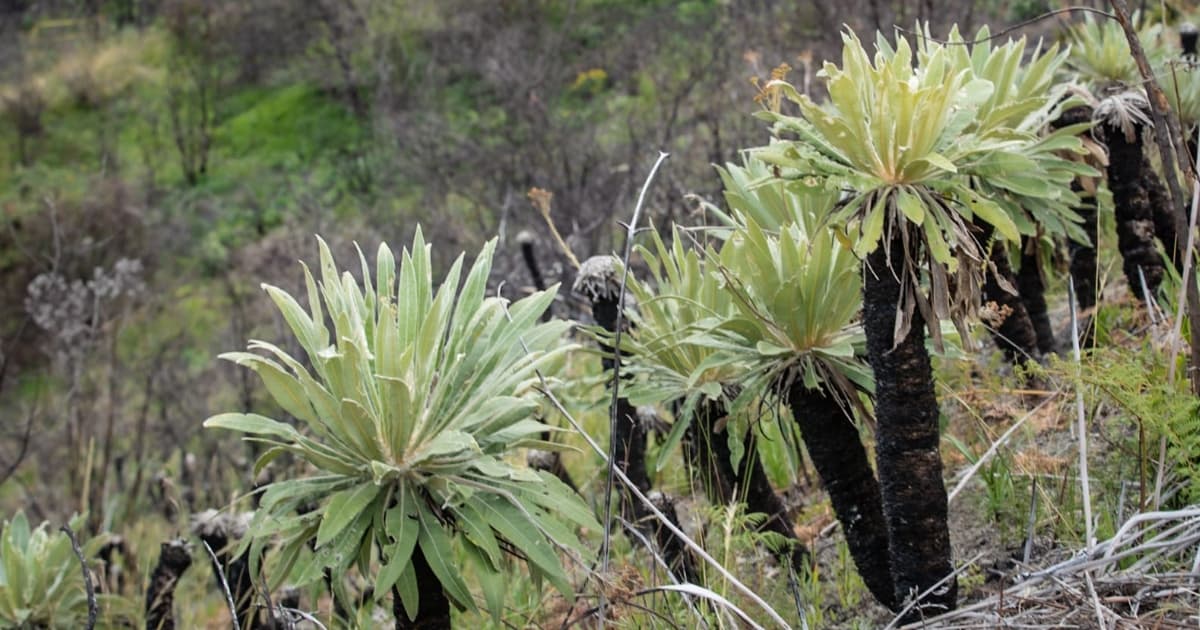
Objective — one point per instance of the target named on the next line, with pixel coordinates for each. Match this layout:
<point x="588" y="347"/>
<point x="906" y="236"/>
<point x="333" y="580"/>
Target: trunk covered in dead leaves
<point x="837" y="452"/>
<point x="910" y="465"/>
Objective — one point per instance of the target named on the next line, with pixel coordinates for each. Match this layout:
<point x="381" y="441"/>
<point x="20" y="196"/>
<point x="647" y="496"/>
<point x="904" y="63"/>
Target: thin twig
<point x="25" y="440"/>
<point x="224" y="586"/>
<point x="93" y="607"/>
<point x="616" y="375"/>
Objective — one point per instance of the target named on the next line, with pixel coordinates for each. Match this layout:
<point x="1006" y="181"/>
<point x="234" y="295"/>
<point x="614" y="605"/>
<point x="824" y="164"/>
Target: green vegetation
<point x="412" y="411"/>
<point x="41" y="584"/>
<point x="823" y="430"/>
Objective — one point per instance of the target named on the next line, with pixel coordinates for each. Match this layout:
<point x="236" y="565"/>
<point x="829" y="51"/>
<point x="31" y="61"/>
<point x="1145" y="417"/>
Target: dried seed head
<point x="215" y="524"/>
<point x="540" y="460"/>
<point x="526" y="237"/>
<point x="597" y="278"/>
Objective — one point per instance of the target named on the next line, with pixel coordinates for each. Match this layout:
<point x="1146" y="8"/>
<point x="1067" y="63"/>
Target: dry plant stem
<point x="1031" y="525"/>
<point x="93" y="607"/>
<point x="1169" y="138"/>
<point x="616" y="376"/>
<point x="699" y="591"/>
<point x="233" y="612"/>
<point x="562" y="244"/>
<point x="1081" y="426"/>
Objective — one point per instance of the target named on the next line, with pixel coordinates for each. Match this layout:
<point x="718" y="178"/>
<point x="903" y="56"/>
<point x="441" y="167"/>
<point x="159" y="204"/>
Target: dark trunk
<point x="1011" y="327"/>
<point x="526" y="240"/>
<point x="1160" y="203"/>
<point x="549" y="461"/>
<point x="1127" y="179"/>
<point x="1032" y="288"/>
<point x="535" y="272"/>
<point x="160" y="595"/>
<point x="837" y="452"/>
<point x="1083" y="256"/>
<point x="714" y="462"/>
<point x="910" y="465"/>
<point x="629" y="435"/>
<point x="676" y="555"/>
<point x="1083" y="272"/>
<point x="1187" y="38"/>
<point x="433" y="607"/>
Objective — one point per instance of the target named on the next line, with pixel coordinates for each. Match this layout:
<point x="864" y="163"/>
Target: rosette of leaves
<point x="1182" y="86"/>
<point x="797" y="295"/>
<point x="677" y="307"/>
<point x="408" y="416"/>
<point x="41" y="585"/>
<point x="1100" y="55"/>
<point x="896" y="138"/>
<point x="752" y="189"/>
<point x="1033" y="183"/>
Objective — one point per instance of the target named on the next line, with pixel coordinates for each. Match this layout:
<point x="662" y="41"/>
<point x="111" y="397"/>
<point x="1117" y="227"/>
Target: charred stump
<point x="160" y="595"/>
<point x="114" y="557"/>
